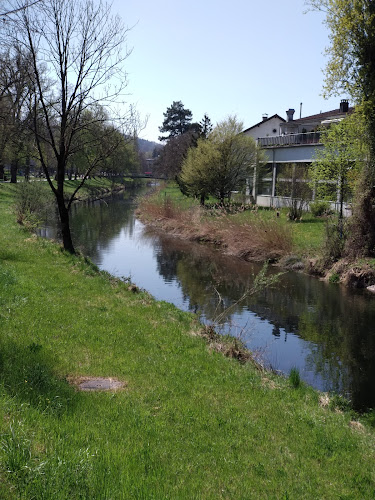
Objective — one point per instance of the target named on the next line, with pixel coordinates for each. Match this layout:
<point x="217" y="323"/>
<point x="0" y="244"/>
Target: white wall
<point x="265" y="129"/>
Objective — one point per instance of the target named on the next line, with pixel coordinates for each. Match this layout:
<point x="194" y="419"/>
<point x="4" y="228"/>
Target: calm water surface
<point x="325" y="330"/>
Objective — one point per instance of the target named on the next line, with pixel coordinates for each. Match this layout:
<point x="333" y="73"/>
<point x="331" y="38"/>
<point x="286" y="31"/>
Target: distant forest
<point x="145" y="146"/>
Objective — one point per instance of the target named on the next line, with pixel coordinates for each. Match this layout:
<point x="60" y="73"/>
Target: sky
<point x="240" y="57"/>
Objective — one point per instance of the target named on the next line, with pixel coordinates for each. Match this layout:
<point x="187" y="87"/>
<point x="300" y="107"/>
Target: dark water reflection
<point x="325" y="330"/>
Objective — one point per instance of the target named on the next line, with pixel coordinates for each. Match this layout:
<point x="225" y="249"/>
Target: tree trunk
<point x="341" y="198"/>
<point x="2" y="172"/>
<point x="63" y="211"/>
<point x="361" y="242"/>
<point x="27" y="169"/>
<point x="65" y="225"/>
<point x="13" y="172"/>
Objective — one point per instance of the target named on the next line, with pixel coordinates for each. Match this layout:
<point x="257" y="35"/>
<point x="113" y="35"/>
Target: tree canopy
<point x="220" y="164"/>
<point x="172" y="155"/>
<point x="351" y="64"/>
<point x="340" y="162"/>
<point x="197" y="172"/>
<point x="177" y="121"/>
<point x="183" y="135"/>
<point x="351" y="68"/>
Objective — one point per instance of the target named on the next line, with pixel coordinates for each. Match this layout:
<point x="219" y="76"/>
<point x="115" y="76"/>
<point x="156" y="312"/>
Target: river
<point x="325" y="330"/>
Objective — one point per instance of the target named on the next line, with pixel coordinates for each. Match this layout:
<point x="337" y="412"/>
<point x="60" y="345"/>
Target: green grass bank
<point x="189" y="423"/>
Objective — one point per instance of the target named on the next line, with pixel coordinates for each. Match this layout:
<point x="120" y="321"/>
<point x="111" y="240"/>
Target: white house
<point x="296" y="143"/>
<point x="268" y="127"/>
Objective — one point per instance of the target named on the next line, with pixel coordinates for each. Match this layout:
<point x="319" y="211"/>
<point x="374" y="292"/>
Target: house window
<point x="293" y="180"/>
<point x="265" y="182"/>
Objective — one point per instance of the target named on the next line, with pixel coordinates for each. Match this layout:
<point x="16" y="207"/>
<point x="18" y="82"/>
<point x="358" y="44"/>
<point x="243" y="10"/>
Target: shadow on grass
<point x="312" y="221"/>
<point x="6" y="255"/>
<point x="27" y="375"/>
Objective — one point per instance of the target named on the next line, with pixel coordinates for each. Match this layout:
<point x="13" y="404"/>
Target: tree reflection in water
<point x="334" y="321"/>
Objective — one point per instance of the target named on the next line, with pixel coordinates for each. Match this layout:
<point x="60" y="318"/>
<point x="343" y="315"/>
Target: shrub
<point x="334" y="278"/>
<point x="336" y="233"/>
<point x="33" y="204"/>
<point x="319" y="208"/>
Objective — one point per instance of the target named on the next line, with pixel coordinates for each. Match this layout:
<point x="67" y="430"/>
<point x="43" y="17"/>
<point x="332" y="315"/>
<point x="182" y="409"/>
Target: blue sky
<point x="238" y="57"/>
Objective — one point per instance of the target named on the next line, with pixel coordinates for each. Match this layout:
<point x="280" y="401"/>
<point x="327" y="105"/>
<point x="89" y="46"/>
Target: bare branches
<point x="19" y="9"/>
<point x="77" y="50"/>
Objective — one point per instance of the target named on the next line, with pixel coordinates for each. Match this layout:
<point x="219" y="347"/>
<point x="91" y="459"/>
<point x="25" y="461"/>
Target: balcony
<point x="290" y="140"/>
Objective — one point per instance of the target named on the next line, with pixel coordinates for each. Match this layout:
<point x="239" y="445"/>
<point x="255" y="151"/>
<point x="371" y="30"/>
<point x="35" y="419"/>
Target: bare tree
<point x="172" y="155"/>
<point x="293" y="184"/>
<point x="6" y="10"/>
<point x="76" y="50"/>
<point x="15" y="91"/>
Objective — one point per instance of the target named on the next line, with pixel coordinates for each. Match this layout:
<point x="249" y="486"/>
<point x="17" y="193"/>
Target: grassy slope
<point x="190" y="424"/>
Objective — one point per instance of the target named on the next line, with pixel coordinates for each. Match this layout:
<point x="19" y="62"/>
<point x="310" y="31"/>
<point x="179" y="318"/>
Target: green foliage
<point x="177" y="121"/>
<point x="338" y="164"/>
<point x="32" y="203"/>
<point x="198" y="169"/>
<point x="336" y="233"/>
<point x="220" y="164"/>
<point x="295" y="378"/>
<point x="319" y="208"/>
<point x="82" y="59"/>
<point x="351" y="68"/>
<point x="334" y="278"/>
<point x="352" y="37"/>
<point x="101" y="149"/>
<point x="339" y="403"/>
<point x="205" y="126"/>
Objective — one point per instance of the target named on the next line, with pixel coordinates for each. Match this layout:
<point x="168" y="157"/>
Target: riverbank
<point x="187" y="423"/>
<point x="254" y="234"/>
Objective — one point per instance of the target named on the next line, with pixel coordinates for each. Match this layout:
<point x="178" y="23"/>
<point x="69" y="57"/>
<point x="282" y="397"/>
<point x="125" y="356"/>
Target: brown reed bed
<point x="256" y="239"/>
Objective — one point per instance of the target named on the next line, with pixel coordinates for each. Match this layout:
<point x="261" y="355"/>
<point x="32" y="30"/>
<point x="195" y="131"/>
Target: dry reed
<point x="258" y="240"/>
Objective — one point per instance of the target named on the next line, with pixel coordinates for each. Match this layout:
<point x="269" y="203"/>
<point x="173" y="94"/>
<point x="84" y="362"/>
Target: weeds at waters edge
<point x="295" y="378"/>
<point x="228" y="345"/>
<point x="258" y="238"/>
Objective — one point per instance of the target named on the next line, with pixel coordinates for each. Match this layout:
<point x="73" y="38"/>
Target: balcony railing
<point x="290" y="139"/>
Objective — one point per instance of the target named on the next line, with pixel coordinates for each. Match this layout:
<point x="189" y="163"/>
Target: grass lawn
<point x="190" y="423"/>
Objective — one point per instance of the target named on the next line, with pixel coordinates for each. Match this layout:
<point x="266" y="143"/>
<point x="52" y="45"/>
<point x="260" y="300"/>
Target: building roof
<point x="264" y="121"/>
<point x="323" y="116"/>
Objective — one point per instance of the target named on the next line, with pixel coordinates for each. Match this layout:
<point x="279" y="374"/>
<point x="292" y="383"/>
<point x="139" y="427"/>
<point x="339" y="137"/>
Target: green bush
<point x="32" y="204"/>
<point x="336" y="233"/>
<point x="319" y="208"/>
<point x="334" y="278"/>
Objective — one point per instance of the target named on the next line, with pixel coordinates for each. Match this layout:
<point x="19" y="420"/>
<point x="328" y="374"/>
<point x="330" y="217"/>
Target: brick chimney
<point x="289" y="115"/>
<point x="344" y="106"/>
<point x="264" y="117"/>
